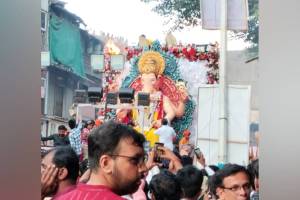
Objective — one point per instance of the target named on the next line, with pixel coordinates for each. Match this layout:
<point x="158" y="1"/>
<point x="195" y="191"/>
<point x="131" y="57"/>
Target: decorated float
<point x="170" y="74"/>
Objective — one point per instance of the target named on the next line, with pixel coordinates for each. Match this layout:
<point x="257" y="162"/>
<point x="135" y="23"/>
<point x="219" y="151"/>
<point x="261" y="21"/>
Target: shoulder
<point x="170" y="128"/>
<point x="84" y="191"/>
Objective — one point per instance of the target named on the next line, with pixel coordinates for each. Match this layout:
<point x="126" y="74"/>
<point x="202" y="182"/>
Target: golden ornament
<point x="151" y="62"/>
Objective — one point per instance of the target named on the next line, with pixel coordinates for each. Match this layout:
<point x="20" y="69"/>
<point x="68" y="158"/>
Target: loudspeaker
<point x="126" y="95"/>
<point x="143" y="99"/>
<point x="80" y="96"/>
<point x="112" y="98"/>
<point x="95" y="94"/>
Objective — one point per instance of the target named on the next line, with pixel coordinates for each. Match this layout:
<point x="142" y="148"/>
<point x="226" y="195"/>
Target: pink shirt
<point x="90" y="192"/>
<point x="67" y="190"/>
<point x="84" y="135"/>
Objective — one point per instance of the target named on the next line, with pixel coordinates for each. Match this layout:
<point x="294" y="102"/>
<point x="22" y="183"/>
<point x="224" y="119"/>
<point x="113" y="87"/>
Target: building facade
<point x="66" y="49"/>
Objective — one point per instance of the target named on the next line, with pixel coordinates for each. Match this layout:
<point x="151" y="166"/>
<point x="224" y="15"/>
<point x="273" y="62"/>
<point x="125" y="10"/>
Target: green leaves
<point x="181" y="13"/>
<point x="184" y="13"/>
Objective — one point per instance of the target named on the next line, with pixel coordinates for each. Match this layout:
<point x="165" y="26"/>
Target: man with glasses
<point x="231" y="183"/>
<point x="116" y="160"/>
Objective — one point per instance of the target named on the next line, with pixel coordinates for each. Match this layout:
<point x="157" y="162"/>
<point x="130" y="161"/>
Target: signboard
<point x="238" y="123"/>
<point x="85" y="112"/>
<point x="117" y="62"/>
<point x="237" y="12"/>
<point x="97" y="62"/>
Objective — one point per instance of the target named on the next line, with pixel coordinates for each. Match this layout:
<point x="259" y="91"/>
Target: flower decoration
<point x="192" y="53"/>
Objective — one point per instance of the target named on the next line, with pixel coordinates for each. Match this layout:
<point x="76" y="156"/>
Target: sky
<point x="131" y="18"/>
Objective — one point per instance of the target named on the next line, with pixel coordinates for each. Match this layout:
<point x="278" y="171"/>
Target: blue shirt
<point x="74" y="138"/>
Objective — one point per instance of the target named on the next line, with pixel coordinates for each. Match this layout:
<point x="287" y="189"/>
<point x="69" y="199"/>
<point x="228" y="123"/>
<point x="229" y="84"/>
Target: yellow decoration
<point x="112" y="48"/>
<point x="149" y="134"/>
<point x="151" y="62"/>
<point x="149" y="42"/>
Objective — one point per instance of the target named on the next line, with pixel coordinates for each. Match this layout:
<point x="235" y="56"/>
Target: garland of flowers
<point x="107" y="80"/>
<point x="106" y="77"/>
<point x="193" y="53"/>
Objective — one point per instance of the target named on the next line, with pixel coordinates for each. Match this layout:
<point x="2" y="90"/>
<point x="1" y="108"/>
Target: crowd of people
<point x="112" y="161"/>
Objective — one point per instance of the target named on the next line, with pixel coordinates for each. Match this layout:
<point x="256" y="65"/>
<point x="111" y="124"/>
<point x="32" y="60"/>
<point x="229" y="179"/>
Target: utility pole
<point x="223" y="118"/>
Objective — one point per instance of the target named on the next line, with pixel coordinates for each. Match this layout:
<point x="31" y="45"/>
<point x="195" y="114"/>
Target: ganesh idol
<point x="166" y="99"/>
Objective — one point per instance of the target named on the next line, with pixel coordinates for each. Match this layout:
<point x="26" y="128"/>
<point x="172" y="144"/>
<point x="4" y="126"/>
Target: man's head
<point x="62" y="131"/>
<point x="164" y="121"/>
<point x="164" y="186"/>
<point x="190" y="179"/>
<point x="72" y="123"/>
<point x="67" y="162"/>
<point x="186" y="160"/>
<point x="231" y="183"/>
<point x="116" y="154"/>
<point x="90" y="124"/>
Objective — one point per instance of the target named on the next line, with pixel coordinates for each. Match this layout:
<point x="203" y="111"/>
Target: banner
<point x="237" y="14"/>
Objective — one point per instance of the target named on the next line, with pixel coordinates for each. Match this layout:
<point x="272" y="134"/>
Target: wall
<point x="241" y="73"/>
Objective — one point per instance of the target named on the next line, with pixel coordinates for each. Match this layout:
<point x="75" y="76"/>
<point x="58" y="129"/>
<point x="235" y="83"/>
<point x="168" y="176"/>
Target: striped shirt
<point x="74" y="138"/>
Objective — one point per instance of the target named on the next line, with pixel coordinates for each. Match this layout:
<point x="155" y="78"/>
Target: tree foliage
<point x="184" y="13"/>
<point x="253" y="33"/>
<point x="181" y="13"/>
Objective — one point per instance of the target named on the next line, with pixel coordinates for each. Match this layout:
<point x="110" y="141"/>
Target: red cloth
<point x="160" y="108"/>
<point x="67" y="190"/>
<point x="90" y="192"/>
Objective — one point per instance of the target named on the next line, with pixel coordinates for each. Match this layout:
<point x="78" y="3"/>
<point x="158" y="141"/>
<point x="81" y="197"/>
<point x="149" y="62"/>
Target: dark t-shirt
<point x="57" y="140"/>
<point x="90" y="192"/>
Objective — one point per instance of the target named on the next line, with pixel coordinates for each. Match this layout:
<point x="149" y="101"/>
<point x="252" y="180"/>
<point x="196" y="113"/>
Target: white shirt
<point x="166" y="134"/>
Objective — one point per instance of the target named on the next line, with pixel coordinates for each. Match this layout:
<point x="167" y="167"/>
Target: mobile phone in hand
<point x="158" y="152"/>
<point x="198" y="152"/>
<point x="146" y="147"/>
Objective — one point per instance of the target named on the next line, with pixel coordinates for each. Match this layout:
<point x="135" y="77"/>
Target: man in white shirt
<point x="166" y="134"/>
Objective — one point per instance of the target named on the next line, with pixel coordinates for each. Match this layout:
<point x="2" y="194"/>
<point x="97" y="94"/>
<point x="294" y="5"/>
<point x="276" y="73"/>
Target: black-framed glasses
<point x="236" y="188"/>
<point x="136" y="160"/>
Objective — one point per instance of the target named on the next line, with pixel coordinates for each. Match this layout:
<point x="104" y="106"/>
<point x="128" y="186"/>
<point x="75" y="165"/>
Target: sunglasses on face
<point x="136" y="160"/>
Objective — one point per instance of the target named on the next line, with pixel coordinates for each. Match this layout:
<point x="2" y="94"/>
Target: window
<point x="43" y="20"/>
<point x="58" y="101"/>
<point x="43" y="80"/>
<point x="42" y="106"/>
